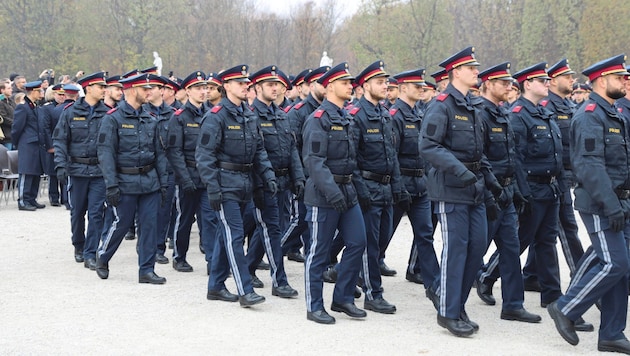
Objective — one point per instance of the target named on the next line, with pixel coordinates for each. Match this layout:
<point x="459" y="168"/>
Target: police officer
<point x="331" y="199"/>
<point x="113" y="91"/>
<point x="48" y="119"/>
<point x="230" y="150"/>
<point x="71" y="94"/>
<point x="392" y="93"/>
<point x="25" y="136"/>
<point x="134" y="168"/>
<point x="600" y="159"/>
<point x="378" y="184"/>
<point x="499" y="148"/>
<point x="190" y="193"/>
<point x="270" y="207"/>
<point x="441" y="80"/>
<point x="423" y="265"/>
<point x="301" y="85"/>
<point x="452" y="142"/>
<point x="76" y="162"/>
<point x="560" y="87"/>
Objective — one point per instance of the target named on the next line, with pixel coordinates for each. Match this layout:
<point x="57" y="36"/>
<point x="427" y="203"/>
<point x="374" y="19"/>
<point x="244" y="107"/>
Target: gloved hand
<point x="496" y="189"/>
<point x="272" y="187"/>
<point x="299" y="189"/>
<point x="215" y="200"/>
<point x="365" y="203"/>
<point x="527" y="208"/>
<point x="340" y="205"/>
<point x="403" y="200"/>
<point x="617" y="221"/>
<point x="492" y="210"/>
<point x="112" y="196"/>
<point x="163" y="196"/>
<point x="259" y="199"/>
<point x="188" y="187"/>
<point x="62" y="176"/>
<point x="467" y="178"/>
<point x="519" y="202"/>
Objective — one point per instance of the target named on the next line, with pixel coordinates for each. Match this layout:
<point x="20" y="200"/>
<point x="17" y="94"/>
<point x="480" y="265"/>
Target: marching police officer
<point x="270" y="207"/>
<point x="378" y="184"/>
<point x="600" y="158"/>
<point x="229" y="152"/>
<point x="331" y="198"/>
<point x="76" y="163"/>
<point x="134" y="168"/>
<point x="452" y="142"/>
<point x="502" y="216"/>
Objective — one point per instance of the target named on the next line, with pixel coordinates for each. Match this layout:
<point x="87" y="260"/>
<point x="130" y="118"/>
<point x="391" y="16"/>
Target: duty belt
<point x="505" y="181"/>
<point x="236" y="166"/>
<point x="568" y="168"/>
<point x="622" y="193"/>
<point x="192" y="164"/>
<point x="381" y="178"/>
<point x="136" y="170"/>
<point x="473" y="166"/>
<point x="412" y="172"/>
<point x="541" y="179"/>
<point x="281" y="172"/>
<point x="342" y="179"/>
<point x="85" y="160"/>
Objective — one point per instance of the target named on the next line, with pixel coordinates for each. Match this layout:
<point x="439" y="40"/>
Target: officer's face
<point x="318" y="91"/>
<point x="499" y="89"/>
<point x="304" y="89"/>
<point x="197" y="94"/>
<point x="267" y="91"/>
<point x="59" y="98"/>
<point x="538" y="86"/>
<point x="168" y="93"/>
<point x="615" y="86"/>
<point x="235" y="89"/>
<point x="467" y="74"/>
<point x="95" y="91"/>
<point x="377" y="88"/>
<point x="441" y="85"/>
<point x="142" y="94"/>
<point x="342" y="89"/>
<point x="412" y="91"/>
<point x="213" y="93"/>
<point x="426" y="93"/>
<point x="392" y="93"/>
<point x="114" y="93"/>
<point x="563" y="84"/>
<point x="155" y="94"/>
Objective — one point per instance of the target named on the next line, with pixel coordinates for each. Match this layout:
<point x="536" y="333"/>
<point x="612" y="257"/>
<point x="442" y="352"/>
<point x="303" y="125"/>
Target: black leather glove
<point x="496" y="189"/>
<point x="467" y="178"/>
<point x="112" y="196"/>
<point x="365" y="203"/>
<point x="163" y="196"/>
<point x="259" y="199"/>
<point x="188" y="187"/>
<point x="340" y="205"/>
<point x="272" y="187"/>
<point x="527" y="209"/>
<point x="215" y="199"/>
<point x="492" y="210"/>
<point x="617" y="221"/>
<point x="299" y="189"/>
<point x="62" y="176"/>
<point x="403" y="200"/>
<point x="519" y="202"/>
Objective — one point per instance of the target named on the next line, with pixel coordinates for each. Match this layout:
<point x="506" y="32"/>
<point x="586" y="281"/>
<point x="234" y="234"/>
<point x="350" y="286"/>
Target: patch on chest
<point x="461" y="117"/>
<point x="128" y="126"/>
<point x="234" y="127"/>
<point x="336" y="128"/>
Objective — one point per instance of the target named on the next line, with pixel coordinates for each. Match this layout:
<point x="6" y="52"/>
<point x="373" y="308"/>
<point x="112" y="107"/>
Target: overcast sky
<point x="283" y="7"/>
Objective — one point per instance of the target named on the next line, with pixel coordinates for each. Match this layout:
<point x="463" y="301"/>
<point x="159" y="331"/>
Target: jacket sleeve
<point x="262" y="165"/>
<point x="45" y="127"/>
<point x="175" y="150"/>
<point x="61" y="137"/>
<point x="520" y="143"/>
<point x="19" y="122"/>
<point x="160" y="158"/>
<point x="210" y="140"/>
<point x="315" y="141"/>
<point x="107" y="149"/>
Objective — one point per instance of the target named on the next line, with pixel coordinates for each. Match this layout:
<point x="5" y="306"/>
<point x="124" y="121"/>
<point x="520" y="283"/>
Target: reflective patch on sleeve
<point x="101" y="138"/>
<point x="431" y="128"/>
<point x="315" y="146"/>
<point x="589" y="144"/>
<point x="205" y="139"/>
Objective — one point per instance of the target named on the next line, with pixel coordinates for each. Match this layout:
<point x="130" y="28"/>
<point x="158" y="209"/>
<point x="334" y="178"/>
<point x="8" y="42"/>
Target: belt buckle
<point x="552" y="179"/>
<point x="141" y="169"/>
<point x="386" y="178"/>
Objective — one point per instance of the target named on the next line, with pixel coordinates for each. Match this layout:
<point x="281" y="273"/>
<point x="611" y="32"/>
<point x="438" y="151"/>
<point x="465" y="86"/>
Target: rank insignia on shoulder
<point x="216" y="109"/>
<point x="590" y="107"/>
<point x="620" y="109"/>
<point x="544" y="102"/>
<point x="69" y="105"/>
<point x="393" y="112"/>
<point x="179" y="111"/>
<point x="442" y="97"/>
<point x="517" y="108"/>
<point x="354" y="110"/>
<point x="286" y="109"/>
<point x="318" y="114"/>
<point x="298" y="105"/>
<point x="112" y="110"/>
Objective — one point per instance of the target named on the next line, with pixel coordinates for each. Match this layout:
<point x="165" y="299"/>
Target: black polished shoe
<point x="621" y="346"/>
<point x="130" y="235"/>
<point x="263" y="266"/>
<point x="223" y="295"/>
<point x="78" y="255"/>
<point x="182" y="266"/>
<point x="386" y="271"/>
<point x="564" y="325"/>
<point x="433" y="297"/>
<point x="90" y="263"/>
<point x="379" y="305"/>
<point x="201" y="248"/>
<point x="531" y="285"/>
<point x="330" y="275"/>
<point x="55" y="203"/>
<point x="357" y="292"/>
<point x="26" y="207"/>
<point x="520" y="315"/>
<point x="581" y="325"/>
<point x="250" y="299"/>
<point x="151" y="278"/>
<point x="256" y="282"/>
<point x="284" y="291"/>
<point x="161" y="259"/>
<point x="484" y="291"/>
<point x="349" y="309"/>
<point x="464" y="317"/>
<point x="102" y="269"/>
<point x="457" y="327"/>
<point x="414" y="277"/>
<point x="38" y="205"/>
<point x="320" y="316"/>
<point x="295" y="256"/>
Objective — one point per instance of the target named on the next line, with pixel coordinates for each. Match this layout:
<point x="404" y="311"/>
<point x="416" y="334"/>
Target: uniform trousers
<point x="86" y="194"/>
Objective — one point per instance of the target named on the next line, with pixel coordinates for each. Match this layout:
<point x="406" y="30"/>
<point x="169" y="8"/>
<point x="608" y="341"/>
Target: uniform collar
<point x="611" y="110"/>
<point x="408" y="112"/>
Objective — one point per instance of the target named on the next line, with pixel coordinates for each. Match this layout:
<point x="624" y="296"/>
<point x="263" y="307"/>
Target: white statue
<point x="325" y="61"/>
<point x="157" y="61"/>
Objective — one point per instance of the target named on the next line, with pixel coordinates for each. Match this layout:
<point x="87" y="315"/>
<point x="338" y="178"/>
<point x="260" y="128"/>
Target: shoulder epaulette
<point x="287" y="108"/>
<point x="111" y="110"/>
<point x="442" y="97"/>
<point x="298" y="105"/>
<point x="318" y="113"/>
<point x="517" y="108"/>
<point x="620" y="109"/>
<point x="179" y="111"/>
<point x="393" y="111"/>
<point x="544" y="102"/>
<point x="354" y="110"/>
<point x="590" y="107"/>
<point x="216" y="109"/>
<point x="68" y="105"/>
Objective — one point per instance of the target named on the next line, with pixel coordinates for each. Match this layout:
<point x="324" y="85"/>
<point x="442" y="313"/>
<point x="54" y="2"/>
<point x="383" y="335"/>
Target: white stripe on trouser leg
<point x="601" y="236"/>
<point x="230" y="253"/>
<point x="268" y="250"/>
<point x="444" y="262"/>
<point x="21" y="189"/>
<point x="178" y="207"/>
<point x="309" y="260"/>
<point x="110" y="232"/>
<point x="366" y="275"/>
<point x="579" y="273"/>
<point x="491" y="266"/>
<point x="68" y="197"/>
<point x="295" y="219"/>
<point x="414" y="257"/>
<point x="566" y="250"/>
